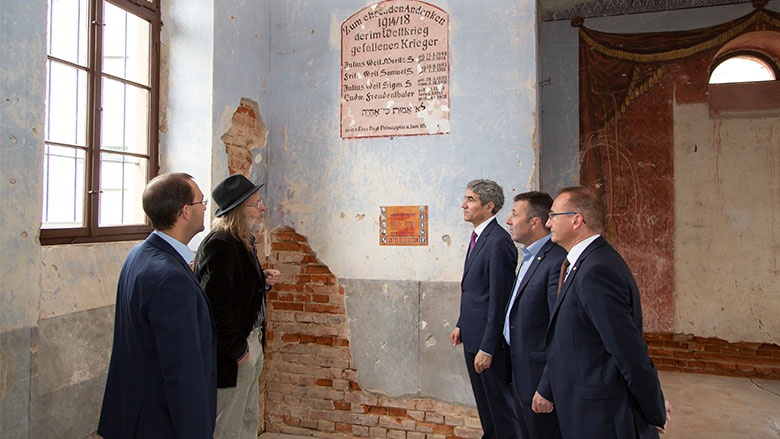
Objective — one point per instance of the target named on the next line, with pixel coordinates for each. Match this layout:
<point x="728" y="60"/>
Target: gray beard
<point x="254" y="226"/>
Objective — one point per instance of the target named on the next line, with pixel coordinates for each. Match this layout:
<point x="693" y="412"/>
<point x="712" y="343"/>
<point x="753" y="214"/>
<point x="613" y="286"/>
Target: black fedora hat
<point x="231" y="192"/>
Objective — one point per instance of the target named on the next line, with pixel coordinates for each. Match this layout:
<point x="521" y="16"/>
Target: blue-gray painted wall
<point x="330" y="189"/>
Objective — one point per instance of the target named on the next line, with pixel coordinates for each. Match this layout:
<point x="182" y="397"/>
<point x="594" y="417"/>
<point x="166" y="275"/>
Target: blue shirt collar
<point x="534" y="248"/>
<point x="177" y="245"/>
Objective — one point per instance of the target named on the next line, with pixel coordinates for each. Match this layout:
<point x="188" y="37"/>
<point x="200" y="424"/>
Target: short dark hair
<point x="488" y="190"/>
<point x="588" y="203"/>
<point x="165" y="196"/>
<point x="539" y="204"/>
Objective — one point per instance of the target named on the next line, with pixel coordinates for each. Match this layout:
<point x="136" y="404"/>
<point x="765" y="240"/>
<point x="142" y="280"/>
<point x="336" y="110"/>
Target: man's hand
<point x="455" y="336"/>
<point x="244" y="358"/>
<point x="662" y="430"/>
<point x="482" y="361"/>
<point x="541" y="405"/>
<point x="272" y="276"/>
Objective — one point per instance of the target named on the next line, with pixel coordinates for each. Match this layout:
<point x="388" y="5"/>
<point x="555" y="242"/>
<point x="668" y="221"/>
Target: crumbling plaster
<point x="330" y="189"/>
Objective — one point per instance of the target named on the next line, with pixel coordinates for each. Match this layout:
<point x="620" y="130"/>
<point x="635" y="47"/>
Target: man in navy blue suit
<point x="162" y="380"/>
<point x="487" y="281"/>
<point x="599" y="377"/>
<point x="528" y="311"/>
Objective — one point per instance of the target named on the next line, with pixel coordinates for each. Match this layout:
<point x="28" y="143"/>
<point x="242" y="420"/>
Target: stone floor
<point x="710" y="407"/>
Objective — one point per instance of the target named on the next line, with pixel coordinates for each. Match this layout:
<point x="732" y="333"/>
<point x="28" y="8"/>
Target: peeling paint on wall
<point x="77" y="278"/>
<point x="246" y="132"/>
<point x="341" y="179"/>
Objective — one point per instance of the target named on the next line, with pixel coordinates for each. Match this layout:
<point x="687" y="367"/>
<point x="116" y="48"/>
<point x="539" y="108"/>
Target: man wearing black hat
<point x="226" y="265"/>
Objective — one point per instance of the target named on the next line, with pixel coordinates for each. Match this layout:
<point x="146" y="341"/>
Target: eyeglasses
<point x="552" y="215"/>
<point x="204" y="202"/>
<point x="255" y="205"/>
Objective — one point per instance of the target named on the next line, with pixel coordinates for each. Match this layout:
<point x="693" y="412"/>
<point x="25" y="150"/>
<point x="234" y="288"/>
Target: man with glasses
<point x="599" y="375"/>
<point x="230" y="273"/>
<point x="162" y="375"/>
<point x="528" y="311"/>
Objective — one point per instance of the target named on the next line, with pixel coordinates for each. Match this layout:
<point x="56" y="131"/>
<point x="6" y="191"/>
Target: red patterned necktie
<point x="473" y="241"/>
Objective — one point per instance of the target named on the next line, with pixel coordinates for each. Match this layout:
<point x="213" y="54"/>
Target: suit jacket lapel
<point x="253" y="257"/>
<point x="574" y="269"/>
<point x="160" y="243"/>
<point x="535" y="262"/>
<point x="478" y="245"/>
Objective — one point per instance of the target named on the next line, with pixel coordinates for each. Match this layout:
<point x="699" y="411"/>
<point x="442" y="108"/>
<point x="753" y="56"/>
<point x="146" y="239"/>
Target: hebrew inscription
<point x="395" y="71"/>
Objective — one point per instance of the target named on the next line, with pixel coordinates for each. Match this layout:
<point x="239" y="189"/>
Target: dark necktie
<point x="471" y="245"/>
<point x="564" y="267"/>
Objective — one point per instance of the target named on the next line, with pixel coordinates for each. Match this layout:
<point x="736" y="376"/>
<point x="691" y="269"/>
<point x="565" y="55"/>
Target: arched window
<point x="743" y="67"/>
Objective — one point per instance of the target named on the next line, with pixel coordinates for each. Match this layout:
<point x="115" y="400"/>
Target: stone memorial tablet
<point x="395" y="71"/>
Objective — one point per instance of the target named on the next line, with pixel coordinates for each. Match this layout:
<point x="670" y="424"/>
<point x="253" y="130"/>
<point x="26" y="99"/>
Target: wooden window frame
<point x="148" y="10"/>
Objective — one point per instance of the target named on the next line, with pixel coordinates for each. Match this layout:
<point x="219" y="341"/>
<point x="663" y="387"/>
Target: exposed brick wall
<point x="688" y="353"/>
<point x="247" y="132"/>
<point x="309" y="382"/>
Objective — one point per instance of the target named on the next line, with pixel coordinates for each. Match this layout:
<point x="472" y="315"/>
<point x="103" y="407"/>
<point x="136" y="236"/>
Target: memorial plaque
<point x="403" y="225"/>
<point x="395" y="71"/>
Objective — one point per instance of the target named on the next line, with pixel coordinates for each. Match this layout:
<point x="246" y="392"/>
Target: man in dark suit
<point x="599" y="378"/>
<point x="230" y="274"/>
<point x="162" y="379"/>
<point x="528" y="311"/>
<point x="487" y="281"/>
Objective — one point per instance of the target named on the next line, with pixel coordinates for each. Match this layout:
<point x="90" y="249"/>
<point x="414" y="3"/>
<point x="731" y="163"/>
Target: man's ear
<point x="578" y="221"/>
<point x="185" y="212"/>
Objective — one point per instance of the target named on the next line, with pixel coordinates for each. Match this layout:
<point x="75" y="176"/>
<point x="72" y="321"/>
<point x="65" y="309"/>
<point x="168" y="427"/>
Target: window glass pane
<point x="66" y="105"/>
<point x="68" y="30"/>
<point x="742" y="69"/>
<point x="63" y="187"/>
<point x="125" y="122"/>
<point x="122" y="181"/>
<point x="125" y="45"/>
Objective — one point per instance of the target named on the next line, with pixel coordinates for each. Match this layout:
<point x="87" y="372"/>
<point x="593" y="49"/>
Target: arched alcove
<point x="747" y="98"/>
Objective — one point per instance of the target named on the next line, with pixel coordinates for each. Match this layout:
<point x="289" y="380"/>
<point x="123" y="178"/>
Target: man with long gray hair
<point x="230" y="274"/>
